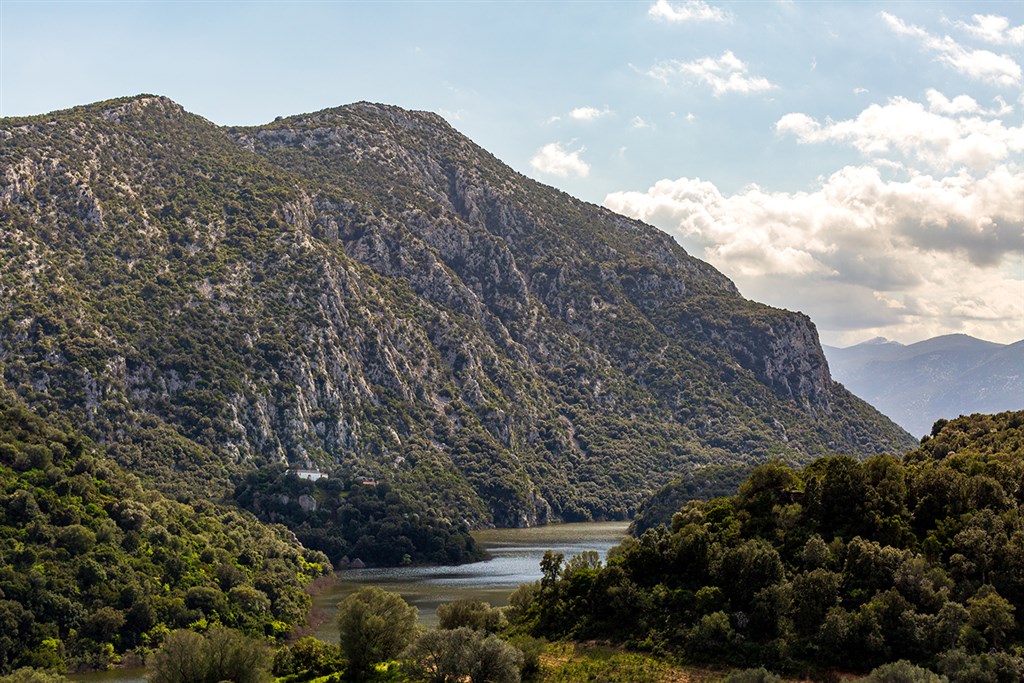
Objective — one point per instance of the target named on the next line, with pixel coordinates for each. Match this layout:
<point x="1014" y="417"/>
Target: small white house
<point x="308" y="475"/>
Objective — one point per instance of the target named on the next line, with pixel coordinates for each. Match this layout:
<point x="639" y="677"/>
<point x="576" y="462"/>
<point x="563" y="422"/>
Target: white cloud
<point x="588" y="113"/>
<point x="964" y="104"/>
<point x="942" y="136"/>
<point x="859" y="91"/>
<point x="961" y="104"/>
<point x="554" y="160"/>
<point x="638" y="122"/>
<point x="993" y="29"/>
<point x="690" y="117"/>
<point x="687" y="11"/>
<point x="861" y="254"/>
<point x="724" y="74"/>
<point x="978" y="64"/>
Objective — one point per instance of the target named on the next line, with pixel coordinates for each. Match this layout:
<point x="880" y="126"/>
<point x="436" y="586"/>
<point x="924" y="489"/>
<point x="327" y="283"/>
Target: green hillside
<point x="838" y="567"/>
<point x="365" y="290"/>
<point x="93" y="564"/>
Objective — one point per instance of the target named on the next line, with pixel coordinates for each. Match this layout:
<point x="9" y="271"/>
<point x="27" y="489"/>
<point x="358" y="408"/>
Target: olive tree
<point x="374" y="626"/>
<point x="222" y="654"/>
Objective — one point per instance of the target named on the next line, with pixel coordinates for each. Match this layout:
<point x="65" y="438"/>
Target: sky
<point x="860" y="162"/>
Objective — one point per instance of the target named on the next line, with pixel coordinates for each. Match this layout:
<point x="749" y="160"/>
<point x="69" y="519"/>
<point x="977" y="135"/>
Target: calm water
<point x="515" y="559"/>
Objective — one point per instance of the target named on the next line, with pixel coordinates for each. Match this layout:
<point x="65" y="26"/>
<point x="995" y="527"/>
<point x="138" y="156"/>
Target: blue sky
<point x="861" y="162"/>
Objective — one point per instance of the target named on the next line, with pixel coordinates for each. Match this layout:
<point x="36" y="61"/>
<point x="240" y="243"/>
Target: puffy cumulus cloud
<point x="555" y="160"/>
<point x="724" y="74"/>
<point x="862" y="254"/>
<point x="964" y="104"/>
<point x="978" y="64"/>
<point x="942" y="135"/>
<point x="588" y="113"/>
<point x="688" y="11"/>
<point x="992" y="29"/>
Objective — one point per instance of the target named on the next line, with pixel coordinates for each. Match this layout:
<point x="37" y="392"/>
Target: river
<point x="514" y="559"/>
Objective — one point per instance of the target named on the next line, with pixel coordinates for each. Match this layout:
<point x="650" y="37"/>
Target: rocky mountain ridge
<point x="365" y="288"/>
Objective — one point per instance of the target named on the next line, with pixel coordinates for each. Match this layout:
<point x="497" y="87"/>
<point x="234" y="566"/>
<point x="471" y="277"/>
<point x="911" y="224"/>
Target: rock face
<point x="365" y="287"/>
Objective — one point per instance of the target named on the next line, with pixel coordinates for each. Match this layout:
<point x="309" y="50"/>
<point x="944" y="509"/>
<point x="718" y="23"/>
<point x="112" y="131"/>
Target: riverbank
<point x="515" y="556"/>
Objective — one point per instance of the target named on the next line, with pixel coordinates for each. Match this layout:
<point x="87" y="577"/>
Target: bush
<point x="446" y="656"/>
<point x="903" y="672"/>
<point x="28" y="675"/>
<point x="374" y="626"/>
<point x="531" y="648"/>
<point x="474" y="614"/>
<point x="223" y="654"/>
<point x="761" y="675"/>
<point x="309" y="657"/>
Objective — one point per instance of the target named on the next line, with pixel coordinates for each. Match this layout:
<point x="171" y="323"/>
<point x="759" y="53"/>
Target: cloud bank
<point x="876" y="248"/>
<point x="981" y="65"/>
<point x="937" y="136"/>
<point x="992" y="29"/>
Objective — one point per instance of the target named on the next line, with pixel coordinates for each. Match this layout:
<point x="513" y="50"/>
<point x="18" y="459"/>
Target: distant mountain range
<point x="942" y="377"/>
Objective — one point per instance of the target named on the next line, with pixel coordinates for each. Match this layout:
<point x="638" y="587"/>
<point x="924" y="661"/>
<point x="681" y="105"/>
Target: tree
<point x="492" y="660"/>
<point x="447" y="656"/>
<point x="991" y="615"/>
<point x="374" y="626"/>
<point x="440" y="656"/>
<point x="309" y="657"/>
<point x="474" y="614"/>
<point x="223" y="654"/>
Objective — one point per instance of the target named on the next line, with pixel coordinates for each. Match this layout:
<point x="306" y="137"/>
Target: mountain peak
<point x="364" y="287"/>
<point x="875" y="341"/>
<point x="131" y="107"/>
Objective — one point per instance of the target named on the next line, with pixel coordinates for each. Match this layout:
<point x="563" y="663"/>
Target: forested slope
<point x="93" y="564"/>
<point x="366" y="290"/>
<point x="843" y="565"/>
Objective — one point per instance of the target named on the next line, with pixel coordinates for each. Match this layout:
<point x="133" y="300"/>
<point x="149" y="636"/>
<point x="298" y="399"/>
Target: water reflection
<point x="515" y="559"/>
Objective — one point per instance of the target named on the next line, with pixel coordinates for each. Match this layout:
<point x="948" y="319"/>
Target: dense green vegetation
<point x="220" y="654"/>
<point x="365" y="289"/>
<point x="349" y="518"/>
<point x="93" y="565"/>
<point x="698" y="484"/>
<point x="843" y="565"/>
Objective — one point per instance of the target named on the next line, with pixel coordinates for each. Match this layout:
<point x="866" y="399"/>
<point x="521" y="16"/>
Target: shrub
<point x="374" y="626"/>
<point x="760" y="675"/>
<point x="903" y="672"/>
<point x="223" y="654"/>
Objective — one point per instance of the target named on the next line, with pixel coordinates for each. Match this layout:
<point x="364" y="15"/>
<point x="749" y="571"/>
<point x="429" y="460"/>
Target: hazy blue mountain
<point x="942" y="377"/>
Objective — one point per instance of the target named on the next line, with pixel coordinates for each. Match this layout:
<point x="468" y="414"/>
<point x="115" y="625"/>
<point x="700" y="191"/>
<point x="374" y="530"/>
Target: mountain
<point x="942" y="377"/>
<point x="364" y="288"/>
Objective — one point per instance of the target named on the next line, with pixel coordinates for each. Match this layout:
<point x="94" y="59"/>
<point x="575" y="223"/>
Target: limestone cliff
<point x="365" y="287"/>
